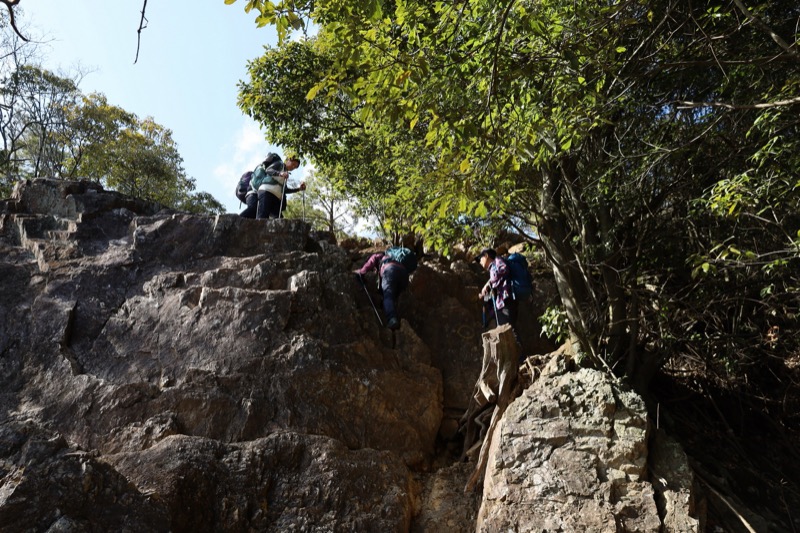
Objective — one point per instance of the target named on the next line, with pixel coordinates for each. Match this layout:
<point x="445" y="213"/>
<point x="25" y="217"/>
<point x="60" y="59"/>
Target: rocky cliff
<point x="167" y="372"/>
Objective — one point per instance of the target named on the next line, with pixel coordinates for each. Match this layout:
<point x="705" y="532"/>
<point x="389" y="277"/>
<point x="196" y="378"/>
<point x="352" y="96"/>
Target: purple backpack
<point x="243" y="186"/>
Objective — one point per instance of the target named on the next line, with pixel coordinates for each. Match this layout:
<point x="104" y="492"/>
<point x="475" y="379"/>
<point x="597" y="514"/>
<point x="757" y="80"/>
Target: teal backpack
<point x="402" y="255"/>
<point x="260" y="176"/>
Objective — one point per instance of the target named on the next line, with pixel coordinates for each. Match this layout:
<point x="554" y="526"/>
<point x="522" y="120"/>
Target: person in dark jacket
<point x="393" y="281"/>
<point x="268" y="186"/>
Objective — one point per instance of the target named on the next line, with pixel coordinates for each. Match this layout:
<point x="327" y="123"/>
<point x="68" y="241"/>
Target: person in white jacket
<point x="268" y="185"/>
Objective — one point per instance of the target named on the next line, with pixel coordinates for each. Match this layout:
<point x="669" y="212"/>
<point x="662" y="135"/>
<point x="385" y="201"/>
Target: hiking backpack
<point x="271" y="158"/>
<point x="243" y="186"/>
<point x="402" y="255"/>
<point x="260" y="172"/>
<point x="521" y="279"/>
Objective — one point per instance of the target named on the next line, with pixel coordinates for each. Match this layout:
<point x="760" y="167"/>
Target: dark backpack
<point x="243" y="186"/>
<point x="521" y="279"/>
<point x="271" y="158"/>
<point x="402" y="255"/>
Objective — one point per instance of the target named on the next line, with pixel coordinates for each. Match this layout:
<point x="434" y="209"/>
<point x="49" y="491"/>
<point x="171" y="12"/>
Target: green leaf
<point x="312" y="93"/>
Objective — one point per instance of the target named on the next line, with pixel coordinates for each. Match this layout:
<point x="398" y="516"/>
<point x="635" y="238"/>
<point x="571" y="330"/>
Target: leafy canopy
<point x="652" y="146"/>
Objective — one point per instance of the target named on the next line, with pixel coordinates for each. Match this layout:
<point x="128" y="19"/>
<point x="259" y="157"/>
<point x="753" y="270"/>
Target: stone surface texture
<point x="571" y="454"/>
<point x="161" y="371"/>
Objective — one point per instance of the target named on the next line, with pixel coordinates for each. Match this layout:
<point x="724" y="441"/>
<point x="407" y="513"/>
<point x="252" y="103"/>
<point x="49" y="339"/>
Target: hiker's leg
<point x="251" y="200"/>
<point x="513" y="312"/>
<point x="488" y="314"/>
<point x="273" y="206"/>
<point x="389" y="296"/>
<point x="508" y="315"/>
<point x="503" y="316"/>
<point x="391" y="285"/>
<point x="261" y="212"/>
<point x="393" y="282"/>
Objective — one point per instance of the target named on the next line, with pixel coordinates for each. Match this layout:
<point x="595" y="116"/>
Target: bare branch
<point x="760" y="24"/>
<point x="142" y="25"/>
<point x="10" y="5"/>
<point x="765" y="105"/>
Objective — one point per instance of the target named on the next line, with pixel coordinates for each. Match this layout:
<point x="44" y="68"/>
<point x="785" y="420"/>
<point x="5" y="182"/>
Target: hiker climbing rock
<point x="498" y="290"/>
<point x="393" y="266"/>
<point x="268" y="186"/>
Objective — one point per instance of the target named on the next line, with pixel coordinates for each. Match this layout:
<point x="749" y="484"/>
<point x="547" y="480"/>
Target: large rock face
<point x="571" y="454"/>
<point x="198" y="356"/>
<point x="167" y="372"/>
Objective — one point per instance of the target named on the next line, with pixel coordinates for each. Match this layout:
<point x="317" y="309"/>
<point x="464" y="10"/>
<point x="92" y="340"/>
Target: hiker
<point x="394" y="267"/>
<point x="268" y="186"/>
<point x="497" y="291"/>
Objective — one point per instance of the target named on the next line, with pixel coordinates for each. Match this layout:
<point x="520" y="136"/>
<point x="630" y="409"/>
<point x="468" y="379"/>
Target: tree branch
<point x="766" y="105"/>
<point x="10" y="5"/>
<point x="760" y="24"/>
<point x="142" y="25"/>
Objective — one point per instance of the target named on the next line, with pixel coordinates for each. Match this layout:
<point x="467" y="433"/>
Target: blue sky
<point x="192" y="55"/>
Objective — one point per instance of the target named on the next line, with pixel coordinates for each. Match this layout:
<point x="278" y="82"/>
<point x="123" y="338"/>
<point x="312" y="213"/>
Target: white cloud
<point x="245" y="151"/>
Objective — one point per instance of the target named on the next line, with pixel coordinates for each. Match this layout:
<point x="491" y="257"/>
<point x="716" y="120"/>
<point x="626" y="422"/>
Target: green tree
<point x="199" y="203"/>
<point x="50" y="129"/>
<point x="332" y="209"/>
<point x="363" y="160"/>
<point x="137" y="157"/>
<point x="612" y="129"/>
<point x="94" y="124"/>
<point x="34" y="103"/>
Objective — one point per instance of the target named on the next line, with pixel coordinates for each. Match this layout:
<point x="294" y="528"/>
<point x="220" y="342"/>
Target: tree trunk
<point x="570" y="281"/>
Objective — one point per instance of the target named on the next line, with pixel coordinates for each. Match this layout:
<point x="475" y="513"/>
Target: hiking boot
<point x="393" y="324"/>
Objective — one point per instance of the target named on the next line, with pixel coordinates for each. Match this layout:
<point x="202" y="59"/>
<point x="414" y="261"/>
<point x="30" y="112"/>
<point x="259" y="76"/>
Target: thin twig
<point x="142" y="25"/>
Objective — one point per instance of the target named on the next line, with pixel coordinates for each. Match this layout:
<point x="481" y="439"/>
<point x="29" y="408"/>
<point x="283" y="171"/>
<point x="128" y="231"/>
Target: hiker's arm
<point x="290" y="190"/>
<point x="485" y="290"/>
<point x="276" y="170"/>
<point x="372" y="264"/>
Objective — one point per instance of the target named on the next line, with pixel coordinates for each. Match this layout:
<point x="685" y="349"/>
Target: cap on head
<point x="486" y="251"/>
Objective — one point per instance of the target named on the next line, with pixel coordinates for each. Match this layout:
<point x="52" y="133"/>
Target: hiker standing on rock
<point x="394" y="267"/>
<point x="505" y="307"/>
<point x="268" y="186"/>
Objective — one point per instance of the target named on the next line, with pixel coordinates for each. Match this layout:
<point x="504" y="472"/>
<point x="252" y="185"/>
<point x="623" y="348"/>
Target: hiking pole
<point x="283" y="196"/>
<point x="484" y="318"/>
<point x="378" y="315"/>
<point x="496" y="318"/>
<point x="304" y="205"/>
